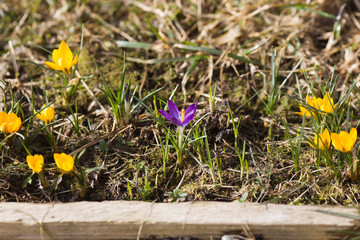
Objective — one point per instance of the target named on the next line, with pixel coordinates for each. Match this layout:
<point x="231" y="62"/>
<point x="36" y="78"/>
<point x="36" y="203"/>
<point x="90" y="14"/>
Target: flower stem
<point x="26" y="149"/>
<point x="43" y="180"/>
<point x="354" y="168"/>
<point x="68" y="78"/>
<point x="80" y="177"/>
<point x="127" y="111"/>
<point x="51" y="139"/>
<point x="180" y="138"/>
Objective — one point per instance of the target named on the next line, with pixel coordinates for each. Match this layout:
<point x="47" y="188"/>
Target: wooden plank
<point x="132" y="220"/>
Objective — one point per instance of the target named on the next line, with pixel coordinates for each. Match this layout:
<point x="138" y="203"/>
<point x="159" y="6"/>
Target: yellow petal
<point x="65" y="52"/>
<point x="63" y="59"/>
<point x="35" y="162"/>
<point x="304" y="111"/>
<point x="314" y="143"/>
<point x="353" y="134"/>
<point x="13" y="123"/>
<point x="56" y="56"/>
<point x="328" y="99"/>
<point x="321" y="140"/>
<point x="336" y="142"/>
<point x="309" y="100"/>
<point x="325" y="136"/>
<point x="327" y="104"/>
<point x="64" y="162"/>
<point x="344" y="141"/>
<point x="53" y="66"/>
<point x="352" y="138"/>
<point x="47" y="114"/>
<point x="76" y="59"/>
<point x="50" y="113"/>
<point x="3" y="117"/>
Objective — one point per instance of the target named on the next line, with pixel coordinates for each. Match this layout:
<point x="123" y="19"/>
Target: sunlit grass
<point x="276" y="101"/>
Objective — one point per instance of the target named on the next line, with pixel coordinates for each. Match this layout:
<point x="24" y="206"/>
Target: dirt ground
<point x="235" y="47"/>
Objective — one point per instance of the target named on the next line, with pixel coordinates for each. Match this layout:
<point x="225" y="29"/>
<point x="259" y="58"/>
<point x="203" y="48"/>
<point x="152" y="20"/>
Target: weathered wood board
<point x="142" y="220"/>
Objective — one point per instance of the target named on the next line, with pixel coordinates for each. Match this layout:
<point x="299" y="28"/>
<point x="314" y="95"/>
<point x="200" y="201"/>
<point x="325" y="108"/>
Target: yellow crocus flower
<point x="3" y="121"/>
<point x="64" y="162"/>
<point x="321" y="140"/>
<point x="63" y="59"/>
<point x="344" y="141"/>
<point x="304" y="111"/>
<point x="47" y="114"/>
<point x="9" y="123"/>
<point x="35" y="162"/>
<point x="326" y="105"/>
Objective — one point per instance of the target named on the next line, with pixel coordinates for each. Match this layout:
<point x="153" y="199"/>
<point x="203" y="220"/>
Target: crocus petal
<point x="50" y="113"/>
<point x="188" y="118"/>
<point x="127" y="92"/>
<point x="62" y="59"/>
<point x="326" y="104"/>
<point x="35" y="162"/>
<point x="191" y="110"/>
<point x="65" y="52"/>
<point x="325" y="136"/>
<point x="165" y="114"/>
<point x="13" y="123"/>
<point x="56" y="56"/>
<point x="189" y="114"/>
<point x="47" y="114"/>
<point x="335" y="106"/>
<point x="311" y="102"/>
<point x="67" y="67"/>
<point x="64" y="162"/>
<point x="3" y="117"/>
<point x="54" y="66"/>
<point x="344" y="141"/>
<point x="173" y="110"/>
<point x="177" y="122"/>
<point x="353" y="133"/>
<point x="303" y="112"/>
<point x="13" y="126"/>
<point x="335" y="139"/>
<point x="322" y="140"/>
<point x="352" y="137"/>
<point x="9" y="123"/>
<point x="75" y="61"/>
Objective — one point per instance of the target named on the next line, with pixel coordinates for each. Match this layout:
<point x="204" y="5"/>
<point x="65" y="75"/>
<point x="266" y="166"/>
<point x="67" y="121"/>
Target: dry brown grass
<point x="246" y="28"/>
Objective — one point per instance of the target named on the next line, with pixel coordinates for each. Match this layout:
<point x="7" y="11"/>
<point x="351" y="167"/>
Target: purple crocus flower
<point x="178" y="118"/>
<point x="127" y="96"/>
<point x="127" y="104"/>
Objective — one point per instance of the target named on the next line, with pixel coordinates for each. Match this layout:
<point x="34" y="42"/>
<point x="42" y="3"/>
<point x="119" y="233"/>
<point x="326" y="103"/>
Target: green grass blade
<point x="127" y="44"/>
<point x="162" y="60"/>
<point x="153" y="29"/>
<point x="307" y="8"/>
<point x="215" y="52"/>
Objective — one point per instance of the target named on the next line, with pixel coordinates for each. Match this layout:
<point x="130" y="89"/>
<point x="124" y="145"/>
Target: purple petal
<point x="173" y="110"/>
<point x="177" y="122"/>
<point x="165" y="114"/>
<point x="187" y="119"/>
<point x="189" y="114"/>
<point x="191" y="109"/>
<point x="127" y="96"/>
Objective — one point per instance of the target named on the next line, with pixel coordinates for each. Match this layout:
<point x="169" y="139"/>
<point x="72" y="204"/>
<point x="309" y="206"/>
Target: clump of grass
<point x="326" y="119"/>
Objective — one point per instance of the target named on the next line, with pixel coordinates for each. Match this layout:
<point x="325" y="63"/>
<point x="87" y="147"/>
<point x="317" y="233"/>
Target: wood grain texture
<point x="132" y="220"/>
